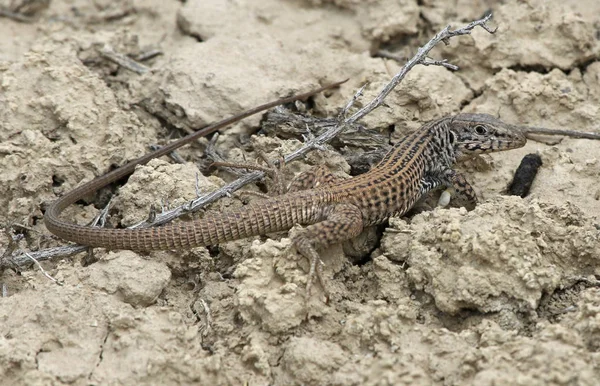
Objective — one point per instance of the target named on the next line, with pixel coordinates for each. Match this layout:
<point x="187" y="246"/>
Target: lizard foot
<point x="315" y="268"/>
<point x="272" y="169"/>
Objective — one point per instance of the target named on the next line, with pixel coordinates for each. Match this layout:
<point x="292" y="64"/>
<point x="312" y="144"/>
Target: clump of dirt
<point x="469" y="261"/>
<point x="503" y="294"/>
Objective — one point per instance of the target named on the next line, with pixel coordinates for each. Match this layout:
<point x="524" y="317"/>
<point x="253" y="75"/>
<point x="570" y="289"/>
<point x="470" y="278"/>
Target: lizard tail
<point x="272" y="215"/>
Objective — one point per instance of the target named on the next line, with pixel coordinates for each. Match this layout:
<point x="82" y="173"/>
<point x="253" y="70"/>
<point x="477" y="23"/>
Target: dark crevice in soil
<point x="585" y="64"/>
<point x="530" y="68"/>
<point x="101" y="354"/>
<point x="554" y="306"/>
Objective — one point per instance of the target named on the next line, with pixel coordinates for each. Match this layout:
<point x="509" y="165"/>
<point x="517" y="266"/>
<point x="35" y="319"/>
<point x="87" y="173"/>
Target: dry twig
<point x="42" y="269"/>
<point x="147" y="55"/>
<point x="568" y="133"/>
<point x="123" y="60"/>
<point x="16" y="16"/>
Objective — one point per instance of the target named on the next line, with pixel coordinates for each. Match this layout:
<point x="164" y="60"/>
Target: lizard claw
<point x="316" y="269"/>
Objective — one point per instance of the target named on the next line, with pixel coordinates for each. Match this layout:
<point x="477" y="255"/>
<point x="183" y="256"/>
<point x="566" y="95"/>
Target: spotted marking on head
<point x="481" y="133"/>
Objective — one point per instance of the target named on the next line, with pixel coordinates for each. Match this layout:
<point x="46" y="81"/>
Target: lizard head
<point x="482" y="133"/>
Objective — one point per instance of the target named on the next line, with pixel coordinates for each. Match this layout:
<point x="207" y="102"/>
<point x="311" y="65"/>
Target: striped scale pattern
<point x="420" y="162"/>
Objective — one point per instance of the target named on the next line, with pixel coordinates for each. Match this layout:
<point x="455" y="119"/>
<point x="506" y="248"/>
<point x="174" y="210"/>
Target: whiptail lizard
<point x="333" y="210"/>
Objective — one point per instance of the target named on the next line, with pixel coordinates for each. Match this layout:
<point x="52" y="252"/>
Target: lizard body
<point x="333" y="210"/>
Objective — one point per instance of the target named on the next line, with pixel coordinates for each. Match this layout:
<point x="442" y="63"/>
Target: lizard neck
<point x="431" y="146"/>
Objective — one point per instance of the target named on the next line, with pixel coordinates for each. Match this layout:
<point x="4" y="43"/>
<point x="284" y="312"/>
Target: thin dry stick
<point x="569" y="133"/>
<point x="147" y="55"/>
<point x="123" y="60"/>
<point x="16" y="16"/>
<point x="42" y="269"/>
<point x="343" y="114"/>
<point x="100" y="219"/>
<point x="419" y="58"/>
<point x="211" y="153"/>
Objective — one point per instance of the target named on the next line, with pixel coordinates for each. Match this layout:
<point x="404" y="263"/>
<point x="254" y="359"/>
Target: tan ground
<point x="503" y="295"/>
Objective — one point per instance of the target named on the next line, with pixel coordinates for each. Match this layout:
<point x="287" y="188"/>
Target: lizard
<point x="332" y="210"/>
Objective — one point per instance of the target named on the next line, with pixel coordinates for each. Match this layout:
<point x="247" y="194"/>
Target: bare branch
<point x="358" y="94"/>
<point x="174" y="155"/>
<point x="569" y="133"/>
<point x="442" y="63"/>
<point x="21" y="259"/>
<point x="123" y="60"/>
<point x="147" y="55"/>
<point x="286" y="124"/>
<point x="419" y="58"/>
<point x="100" y="219"/>
<point x="16" y="16"/>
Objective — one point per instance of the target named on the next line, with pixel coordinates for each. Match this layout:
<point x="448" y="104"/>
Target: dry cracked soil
<point x="503" y="294"/>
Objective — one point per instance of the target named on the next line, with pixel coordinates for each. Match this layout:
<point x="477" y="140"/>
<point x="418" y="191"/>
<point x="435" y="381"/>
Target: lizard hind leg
<point x="313" y="178"/>
<point x="272" y="169"/>
<point x="342" y="222"/>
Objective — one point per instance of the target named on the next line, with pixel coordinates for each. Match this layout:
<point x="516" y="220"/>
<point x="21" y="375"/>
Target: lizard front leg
<point x="460" y="185"/>
<point x="462" y="188"/>
<point x="452" y="180"/>
<point x="343" y="222"/>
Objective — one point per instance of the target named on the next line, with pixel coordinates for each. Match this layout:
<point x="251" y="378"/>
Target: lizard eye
<point x="481" y="130"/>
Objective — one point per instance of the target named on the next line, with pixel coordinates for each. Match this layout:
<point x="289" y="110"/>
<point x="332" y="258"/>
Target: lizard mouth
<point x="492" y="145"/>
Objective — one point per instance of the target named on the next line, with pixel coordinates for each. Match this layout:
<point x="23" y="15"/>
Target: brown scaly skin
<point x="332" y="210"/>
